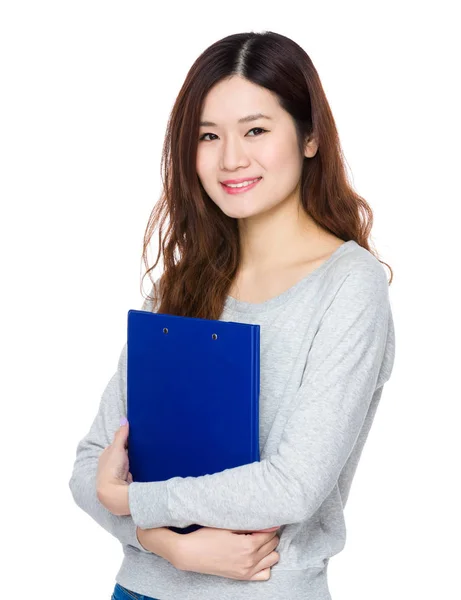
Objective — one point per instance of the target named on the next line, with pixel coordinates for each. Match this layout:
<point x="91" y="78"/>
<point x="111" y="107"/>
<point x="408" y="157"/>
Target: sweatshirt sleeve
<point x="342" y="374"/>
<point x="101" y="434"/>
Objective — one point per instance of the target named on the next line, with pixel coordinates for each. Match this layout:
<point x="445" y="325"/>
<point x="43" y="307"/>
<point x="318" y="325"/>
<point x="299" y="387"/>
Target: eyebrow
<point x="242" y="120"/>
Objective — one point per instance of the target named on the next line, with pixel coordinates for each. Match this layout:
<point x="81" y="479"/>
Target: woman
<point x="263" y="228"/>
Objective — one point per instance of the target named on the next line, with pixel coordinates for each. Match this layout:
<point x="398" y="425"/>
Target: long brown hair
<point x="201" y="250"/>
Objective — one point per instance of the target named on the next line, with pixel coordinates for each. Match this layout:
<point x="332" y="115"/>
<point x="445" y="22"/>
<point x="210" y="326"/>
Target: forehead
<point x="231" y="99"/>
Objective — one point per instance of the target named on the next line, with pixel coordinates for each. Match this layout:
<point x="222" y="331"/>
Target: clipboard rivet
<point x="214" y="336"/>
<point x="165" y="330"/>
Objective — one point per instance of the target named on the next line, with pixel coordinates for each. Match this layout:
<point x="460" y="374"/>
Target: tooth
<point x="243" y="184"/>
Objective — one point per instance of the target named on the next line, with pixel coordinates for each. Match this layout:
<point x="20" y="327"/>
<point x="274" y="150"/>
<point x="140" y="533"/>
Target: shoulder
<point x="357" y="272"/>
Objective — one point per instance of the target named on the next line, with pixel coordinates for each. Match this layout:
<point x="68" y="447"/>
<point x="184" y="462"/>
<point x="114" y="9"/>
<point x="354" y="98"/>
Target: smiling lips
<point x="241" y="180"/>
<point x="240" y="186"/>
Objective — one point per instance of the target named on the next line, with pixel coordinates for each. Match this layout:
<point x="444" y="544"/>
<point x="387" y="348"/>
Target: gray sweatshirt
<point x="327" y="349"/>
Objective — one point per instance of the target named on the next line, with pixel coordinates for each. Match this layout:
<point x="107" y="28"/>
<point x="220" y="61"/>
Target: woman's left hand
<point x="113" y="476"/>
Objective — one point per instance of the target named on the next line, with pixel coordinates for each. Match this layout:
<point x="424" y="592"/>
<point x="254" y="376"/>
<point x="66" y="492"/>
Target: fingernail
<point x="123" y="421"/>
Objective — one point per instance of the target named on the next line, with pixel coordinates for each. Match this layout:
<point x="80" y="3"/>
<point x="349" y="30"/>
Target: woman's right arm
<point x="83" y="480"/>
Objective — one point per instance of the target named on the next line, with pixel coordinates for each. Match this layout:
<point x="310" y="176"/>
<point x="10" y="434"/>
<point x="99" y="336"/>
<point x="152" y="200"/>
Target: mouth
<point x="241" y="187"/>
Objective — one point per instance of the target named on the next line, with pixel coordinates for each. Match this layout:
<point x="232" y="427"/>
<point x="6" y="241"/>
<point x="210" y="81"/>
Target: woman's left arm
<point x="343" y="373"/>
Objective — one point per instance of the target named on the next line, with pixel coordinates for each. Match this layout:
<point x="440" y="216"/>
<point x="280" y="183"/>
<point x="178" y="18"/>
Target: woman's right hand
<point x="226" y="553"/>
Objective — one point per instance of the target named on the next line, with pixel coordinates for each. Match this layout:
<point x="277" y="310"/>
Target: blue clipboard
<point x="192" y="396"/>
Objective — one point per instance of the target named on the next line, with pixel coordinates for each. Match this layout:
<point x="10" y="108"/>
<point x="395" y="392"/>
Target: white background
<point x="86" y="89"/>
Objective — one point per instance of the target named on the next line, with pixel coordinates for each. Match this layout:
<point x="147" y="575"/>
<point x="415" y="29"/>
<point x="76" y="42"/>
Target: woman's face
<point x="233" y="150"/>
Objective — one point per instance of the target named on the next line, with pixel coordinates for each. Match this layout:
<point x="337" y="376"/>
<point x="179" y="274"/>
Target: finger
<point x="262" y="542"/>
<point x="266" y="563"/>
<point x="267" y="548"/>
<point x="263" y="575"/>
<point x="121" y="435"/>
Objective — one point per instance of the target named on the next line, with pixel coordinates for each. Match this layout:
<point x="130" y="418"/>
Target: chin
<point x="239" y="208"/>
<point x="239" y="214"/>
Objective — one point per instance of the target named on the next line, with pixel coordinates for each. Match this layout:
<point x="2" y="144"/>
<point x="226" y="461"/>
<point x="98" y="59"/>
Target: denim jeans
<point x="121" y="593"/>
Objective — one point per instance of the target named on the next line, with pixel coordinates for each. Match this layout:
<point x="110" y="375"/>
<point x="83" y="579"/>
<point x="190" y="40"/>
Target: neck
<point x="278" y="237"/>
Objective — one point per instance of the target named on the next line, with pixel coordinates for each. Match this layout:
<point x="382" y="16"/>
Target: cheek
<point x="203" y="168"/>
<point x="284" y="160"/>
<point x="282" y="155"/>
<point x="275" y="158"/>
<point x="206" y="174"/>
<point x="199" y="167"/>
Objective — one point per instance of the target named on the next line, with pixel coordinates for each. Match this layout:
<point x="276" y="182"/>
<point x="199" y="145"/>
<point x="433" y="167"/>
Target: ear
<point x="311" y="147"/>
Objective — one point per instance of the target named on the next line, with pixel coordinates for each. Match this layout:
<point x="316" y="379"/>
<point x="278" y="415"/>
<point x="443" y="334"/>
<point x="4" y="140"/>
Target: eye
<point x="253" y="129"/>
<point x="259" y="128"/>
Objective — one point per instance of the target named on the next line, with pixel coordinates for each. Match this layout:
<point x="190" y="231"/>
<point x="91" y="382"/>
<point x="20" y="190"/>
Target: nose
<point x="233" y="155"/>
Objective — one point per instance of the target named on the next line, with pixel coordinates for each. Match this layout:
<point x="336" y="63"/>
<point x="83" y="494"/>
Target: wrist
<point x="161" y="541"/>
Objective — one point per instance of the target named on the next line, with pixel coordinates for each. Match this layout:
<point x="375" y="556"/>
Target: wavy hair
<point x="201" y="249"/>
